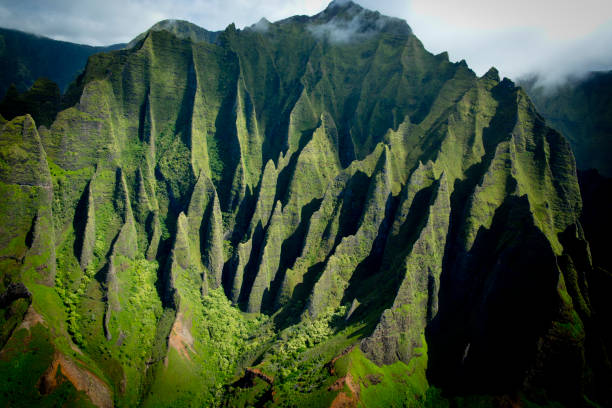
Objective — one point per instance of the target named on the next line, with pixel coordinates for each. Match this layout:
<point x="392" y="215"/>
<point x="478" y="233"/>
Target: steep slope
<point x="181" y="29"/>
<point x="582" y="110"/>
<point x="26" y="57"/>
<point x="310" y="212"/>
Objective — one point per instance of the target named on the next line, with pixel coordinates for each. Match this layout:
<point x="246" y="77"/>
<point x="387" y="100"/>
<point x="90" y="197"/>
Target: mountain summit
<point x="311" y="212"/>
<point x="181" y="29"/>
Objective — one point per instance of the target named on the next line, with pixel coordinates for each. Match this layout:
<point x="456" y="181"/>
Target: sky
<point x="557" y="38"/>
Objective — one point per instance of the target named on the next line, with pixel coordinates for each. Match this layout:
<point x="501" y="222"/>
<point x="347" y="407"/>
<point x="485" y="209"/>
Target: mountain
<point x="26" y="57"/>
<point x="43" y="101"/>
<point x="581" y="109"/>
<point x="312" y="212"/>
<point x="181" y="29"/>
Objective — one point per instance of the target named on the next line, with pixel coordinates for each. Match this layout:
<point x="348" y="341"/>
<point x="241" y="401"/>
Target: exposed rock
<point x="13" y="292"/>
<point x="81" y="379"/>
<point x="358" y="190"/>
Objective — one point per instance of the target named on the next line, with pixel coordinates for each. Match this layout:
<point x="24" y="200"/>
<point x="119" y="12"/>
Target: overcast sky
<point x="558" y="37"/>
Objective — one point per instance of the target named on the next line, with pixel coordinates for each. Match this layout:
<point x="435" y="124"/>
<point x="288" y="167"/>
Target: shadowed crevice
<point x="290" y="250"/>
<point x="79" y="222"/>
<point x="486" y="343"/>
<point x="396" y="248"/>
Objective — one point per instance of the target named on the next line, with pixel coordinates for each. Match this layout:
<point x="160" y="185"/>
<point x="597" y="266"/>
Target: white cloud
<point x="554" y="38"/>
<point x="557" y="37"/>
<point x="261" y="26"/>
<point x="556" y="19"/>
<point x="4" y="13"/>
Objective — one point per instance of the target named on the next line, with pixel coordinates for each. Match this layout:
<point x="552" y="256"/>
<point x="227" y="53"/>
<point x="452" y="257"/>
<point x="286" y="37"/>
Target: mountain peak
<point x="345" y="4"/>
<point x="261" y="26"/>
<point x="181" y="29"/>
<point x="173" y="24"/>
<point x="344" y="21"/>
<point x="492" y="74"/>
<point x="342" y="7"/>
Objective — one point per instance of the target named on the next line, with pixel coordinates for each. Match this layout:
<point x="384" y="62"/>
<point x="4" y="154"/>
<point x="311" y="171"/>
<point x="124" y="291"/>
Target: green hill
<point x="181" y="29"/>
<point x="312" y="212"/>
<point x="26" y="57"/>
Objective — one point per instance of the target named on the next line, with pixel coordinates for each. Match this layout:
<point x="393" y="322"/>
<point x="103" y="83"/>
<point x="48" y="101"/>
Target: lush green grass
<point x="25" y="359"/>
<point x="395" y="385"/>
<point x="221" y="334"/>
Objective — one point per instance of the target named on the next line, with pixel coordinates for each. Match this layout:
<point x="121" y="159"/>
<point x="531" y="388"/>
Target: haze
<point x="556" y="39"/>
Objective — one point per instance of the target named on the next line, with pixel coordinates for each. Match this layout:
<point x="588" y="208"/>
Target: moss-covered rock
<point x="361" y="193"/>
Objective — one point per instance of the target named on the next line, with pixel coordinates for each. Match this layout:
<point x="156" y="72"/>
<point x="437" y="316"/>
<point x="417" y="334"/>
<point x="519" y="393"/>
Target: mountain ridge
<point x="580" y="109"/>
<point x="326" y="210"/>
<point x="26" y="57"/>
<point x="181" y="29"/>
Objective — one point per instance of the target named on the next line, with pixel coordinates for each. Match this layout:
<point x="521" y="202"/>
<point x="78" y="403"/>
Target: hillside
<point x="311" y="212"/>
<point x="581" y="109"/>
<point x="26" y="57"/>
<point x="181" y="29"/>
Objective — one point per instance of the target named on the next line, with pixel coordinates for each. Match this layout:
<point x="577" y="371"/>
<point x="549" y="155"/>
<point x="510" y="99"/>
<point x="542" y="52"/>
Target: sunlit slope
<point x="319" y="200"/>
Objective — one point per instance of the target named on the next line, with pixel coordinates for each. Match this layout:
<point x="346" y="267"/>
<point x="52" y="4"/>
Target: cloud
<point x="261" y="26"/>
<point x="113" y="21"/>
<point x="86" y="21"/>
<point x="341" y="30"/>
<point x="556" y="19"/>
<point x="555" y="38"/>
<point x="5" y="14"/>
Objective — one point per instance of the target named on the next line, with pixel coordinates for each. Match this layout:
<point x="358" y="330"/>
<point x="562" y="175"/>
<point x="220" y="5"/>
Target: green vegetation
<point x="42" y="101"/>
<point x="26" y="357"/>
<point x="395" y="385"/>
<point x="581" y="110"/>
<point x="274" y="217"/>
<point x="26" y="57"/>
<point x="203" y="357"/>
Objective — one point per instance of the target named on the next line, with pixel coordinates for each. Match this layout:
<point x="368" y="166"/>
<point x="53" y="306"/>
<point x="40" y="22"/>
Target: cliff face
<point x="332" y="179"/>
<point x="581" y="109"/>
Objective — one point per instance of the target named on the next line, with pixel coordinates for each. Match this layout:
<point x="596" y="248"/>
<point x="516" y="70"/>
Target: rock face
<point x="181" y="29"/>
<point x="331" y="178"/>
<point x="13" y="292"/>
<point x="581" y="110"/>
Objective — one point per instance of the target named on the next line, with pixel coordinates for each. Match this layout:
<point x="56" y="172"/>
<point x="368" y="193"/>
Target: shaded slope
<point x="26" y="57"/>
<point x="42" y="101"/>
<point x="581" y="109"/>
<point x="364" y="200"/>
<point x="181" y="29"/>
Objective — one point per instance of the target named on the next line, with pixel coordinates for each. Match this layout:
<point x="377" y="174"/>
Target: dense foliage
<point x="311" y="212"/>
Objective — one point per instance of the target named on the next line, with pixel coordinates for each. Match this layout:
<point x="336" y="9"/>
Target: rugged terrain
<point x="26" y="57"/>
<point x="581" y="109"/>
<point x="311" y="212"/>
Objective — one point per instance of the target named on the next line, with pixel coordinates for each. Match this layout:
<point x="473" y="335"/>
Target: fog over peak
<point x="343" y="21"/>
<point x="554" y="39"/>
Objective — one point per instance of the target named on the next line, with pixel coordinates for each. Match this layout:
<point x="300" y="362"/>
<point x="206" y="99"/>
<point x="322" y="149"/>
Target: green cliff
<point x="311" y="212"/>
<point x="581" y="109"/>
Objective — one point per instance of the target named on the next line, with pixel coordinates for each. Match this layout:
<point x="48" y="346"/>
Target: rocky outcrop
<point x="363" y="192"/>
<point x="401" y="329"/>
<point x="83" y="380"/>
<point x="13" y="292"/>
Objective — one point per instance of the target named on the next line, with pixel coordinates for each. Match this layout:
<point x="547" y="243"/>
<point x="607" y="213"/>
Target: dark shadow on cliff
<point x="352" y="201"/>
<point x="484" y="337"/>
